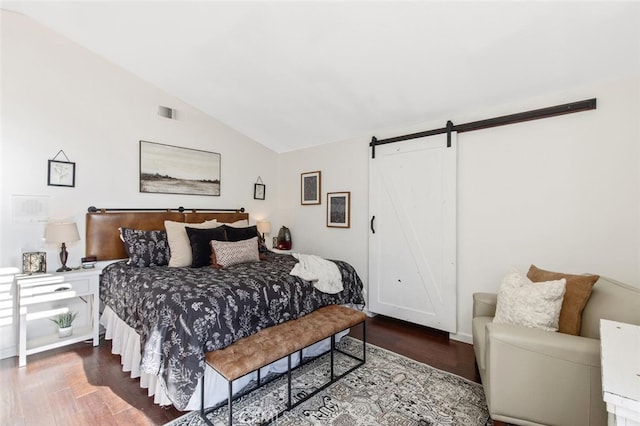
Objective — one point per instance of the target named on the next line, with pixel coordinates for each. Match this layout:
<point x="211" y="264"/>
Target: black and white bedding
<point x="182" y="313"/>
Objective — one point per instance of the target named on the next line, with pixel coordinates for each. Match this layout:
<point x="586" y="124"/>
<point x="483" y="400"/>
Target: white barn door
<point x="412" y="240"/>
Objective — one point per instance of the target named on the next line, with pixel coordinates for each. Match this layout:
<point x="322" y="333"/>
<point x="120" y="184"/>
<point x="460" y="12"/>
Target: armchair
<point x="536" y="377"/>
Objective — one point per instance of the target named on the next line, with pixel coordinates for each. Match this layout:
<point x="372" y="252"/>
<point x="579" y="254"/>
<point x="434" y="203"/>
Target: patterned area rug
<point x="388" y="390"/>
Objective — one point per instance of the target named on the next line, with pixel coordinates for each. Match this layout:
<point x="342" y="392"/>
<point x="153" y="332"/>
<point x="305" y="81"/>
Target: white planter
<point x="65" y="332"/>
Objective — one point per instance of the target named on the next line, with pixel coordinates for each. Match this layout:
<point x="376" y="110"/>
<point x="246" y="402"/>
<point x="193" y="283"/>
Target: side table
<point x="38" y="299"/>
<point x="275" y="250"/>
<point x="620" y="354"/>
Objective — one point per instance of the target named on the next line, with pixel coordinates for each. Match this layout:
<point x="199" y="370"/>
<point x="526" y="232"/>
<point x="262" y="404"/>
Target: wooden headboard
<point x="103" y="237"/>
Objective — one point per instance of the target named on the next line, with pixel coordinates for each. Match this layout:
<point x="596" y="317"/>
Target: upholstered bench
<point x="273" y="343"/>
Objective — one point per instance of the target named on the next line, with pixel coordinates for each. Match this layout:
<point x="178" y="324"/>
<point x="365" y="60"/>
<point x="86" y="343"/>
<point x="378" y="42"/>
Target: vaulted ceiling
<point x="296" y="74"/>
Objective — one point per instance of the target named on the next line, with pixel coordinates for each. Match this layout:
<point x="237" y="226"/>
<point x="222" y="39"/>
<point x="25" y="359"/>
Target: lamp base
<point x="64" y="255"/>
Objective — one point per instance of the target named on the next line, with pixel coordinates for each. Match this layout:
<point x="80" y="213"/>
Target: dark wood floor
<point x="82" y="385"/>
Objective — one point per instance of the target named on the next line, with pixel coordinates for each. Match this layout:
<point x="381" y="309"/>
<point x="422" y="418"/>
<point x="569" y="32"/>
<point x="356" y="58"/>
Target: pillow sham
<point x="244" y="233"/>
<point x="534" y="305"/>
<point x="200" y="247"/>
<point x="575" y="299"/>
<point x="227" y="253"/>
<point x="146" y="248"/>
<point x="241" y="233"/>
<point x="179" y="240"/>
<point x="242" y="223"/>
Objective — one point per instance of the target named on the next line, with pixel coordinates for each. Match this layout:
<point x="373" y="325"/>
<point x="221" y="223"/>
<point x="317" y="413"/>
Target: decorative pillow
<point x="146" y="248"/>
<point x="227" y="253"/>
<point x="239" y="234"/>
<point x="575" y="298"/>
<point x="200" y="248"/>
<point x="179" y="240"/>
<point x="242" y="223"/>
<point x="522" y="302"/>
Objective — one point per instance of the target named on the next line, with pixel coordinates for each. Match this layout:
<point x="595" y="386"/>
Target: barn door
<point x="412" y="236"/>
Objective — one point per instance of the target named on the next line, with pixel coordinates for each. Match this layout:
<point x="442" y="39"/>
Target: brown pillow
<point x="577" y="294"/>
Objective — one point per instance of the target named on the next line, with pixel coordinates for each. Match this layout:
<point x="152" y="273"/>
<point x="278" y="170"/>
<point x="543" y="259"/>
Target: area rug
<point x="388" y="390"/>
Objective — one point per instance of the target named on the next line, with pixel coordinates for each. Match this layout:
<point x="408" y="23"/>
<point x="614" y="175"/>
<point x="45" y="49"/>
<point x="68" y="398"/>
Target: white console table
<point x="620" y="352"/>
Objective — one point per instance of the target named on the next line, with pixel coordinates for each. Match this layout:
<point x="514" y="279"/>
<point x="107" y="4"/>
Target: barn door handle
<point x="372" y="229"/>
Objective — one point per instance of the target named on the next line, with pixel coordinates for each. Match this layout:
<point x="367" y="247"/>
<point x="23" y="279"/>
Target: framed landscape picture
<point x="169" y="169"/>
<point x="310" y="187"/>
<point x="338" y="209"/>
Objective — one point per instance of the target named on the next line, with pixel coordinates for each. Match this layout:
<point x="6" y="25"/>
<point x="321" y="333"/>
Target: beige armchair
<point x="536" y="377"/>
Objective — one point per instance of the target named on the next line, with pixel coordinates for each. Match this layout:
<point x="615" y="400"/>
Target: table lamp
<point x="61" y="233"/>
<point x="264" y="228"/>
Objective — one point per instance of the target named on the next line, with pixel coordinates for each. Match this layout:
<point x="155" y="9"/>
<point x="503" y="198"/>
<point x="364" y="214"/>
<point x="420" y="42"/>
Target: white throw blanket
<point x="324" y="274"/>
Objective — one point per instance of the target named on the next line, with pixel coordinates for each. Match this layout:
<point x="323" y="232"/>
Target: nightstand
<point x="42" y="296"/>
<point x="275" y="250"/>
<point x="620" y="359"/>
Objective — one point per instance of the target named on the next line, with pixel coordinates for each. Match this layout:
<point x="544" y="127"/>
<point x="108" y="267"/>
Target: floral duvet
<point x="182" y="313"/>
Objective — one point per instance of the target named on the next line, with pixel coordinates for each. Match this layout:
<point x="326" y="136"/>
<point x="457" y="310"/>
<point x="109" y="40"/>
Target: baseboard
<point x="8" y="352"/>
<point x="462" y="337"/>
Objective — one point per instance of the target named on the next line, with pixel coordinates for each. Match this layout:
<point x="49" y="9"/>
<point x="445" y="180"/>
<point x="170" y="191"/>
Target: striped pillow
<point x="227" y="253"/>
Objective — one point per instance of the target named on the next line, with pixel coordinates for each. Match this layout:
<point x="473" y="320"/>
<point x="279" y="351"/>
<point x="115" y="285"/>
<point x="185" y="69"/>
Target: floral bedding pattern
<point x="182" y="313"/>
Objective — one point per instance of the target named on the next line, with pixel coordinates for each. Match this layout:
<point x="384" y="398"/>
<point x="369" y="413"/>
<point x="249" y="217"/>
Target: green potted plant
<point x="64" y="321"/>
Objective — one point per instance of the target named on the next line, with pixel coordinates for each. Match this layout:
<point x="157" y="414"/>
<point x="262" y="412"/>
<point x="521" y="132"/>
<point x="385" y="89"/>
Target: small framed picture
<point x="310" y="188"/>
<point x="61" y="173"/>
<point x="339" y="209"/>
<point x="259" y="191"/>
<point x="34" y="262"/>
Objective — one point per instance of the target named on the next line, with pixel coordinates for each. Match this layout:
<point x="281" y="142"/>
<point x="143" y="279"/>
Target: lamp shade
<point x="62" y="232"/>
<point x="264" y="227"/>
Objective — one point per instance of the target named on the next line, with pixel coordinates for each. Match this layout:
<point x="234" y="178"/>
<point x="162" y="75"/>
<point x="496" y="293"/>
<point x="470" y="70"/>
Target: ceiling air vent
<point x="166" y="112"/>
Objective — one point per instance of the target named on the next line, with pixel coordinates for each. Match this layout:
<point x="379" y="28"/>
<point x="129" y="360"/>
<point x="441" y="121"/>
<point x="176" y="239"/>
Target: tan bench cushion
<point x="272" y="343"/>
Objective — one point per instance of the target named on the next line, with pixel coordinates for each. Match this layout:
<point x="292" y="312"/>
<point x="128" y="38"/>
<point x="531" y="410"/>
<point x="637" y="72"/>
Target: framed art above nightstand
<point x="61" y="173"/>
<point x="259" y="191"/>
<point x="310" y="188"/>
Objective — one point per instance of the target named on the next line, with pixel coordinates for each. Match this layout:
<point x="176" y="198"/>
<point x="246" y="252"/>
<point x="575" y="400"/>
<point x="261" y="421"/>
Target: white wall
<point x="562" y="193"/>
<point x="57" y="95"/>
<point x="344" y="167"/>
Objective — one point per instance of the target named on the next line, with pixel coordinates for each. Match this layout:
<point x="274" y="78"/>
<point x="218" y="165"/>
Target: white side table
<point x="275" y="250"/>
<point x="38" y="292"/>
<point x="620" y="354"/>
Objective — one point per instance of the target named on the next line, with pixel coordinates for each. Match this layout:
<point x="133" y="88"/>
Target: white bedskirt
<point x="126" y="343"/>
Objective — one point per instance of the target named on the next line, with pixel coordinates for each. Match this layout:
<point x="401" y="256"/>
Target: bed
<point x="162" y="318"/>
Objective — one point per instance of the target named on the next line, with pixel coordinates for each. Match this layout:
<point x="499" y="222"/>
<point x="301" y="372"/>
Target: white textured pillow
<point x="179" y="243"/>
<point x="229" y="253"/>
<point x="534" y="305"/>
